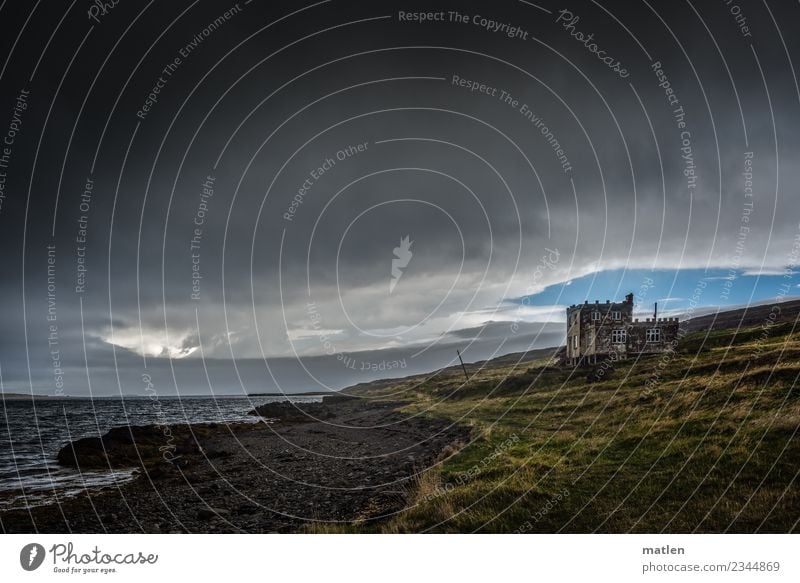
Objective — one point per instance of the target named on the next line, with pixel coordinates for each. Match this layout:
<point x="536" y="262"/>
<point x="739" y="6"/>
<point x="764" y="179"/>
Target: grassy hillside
<point x="703" y="439"/>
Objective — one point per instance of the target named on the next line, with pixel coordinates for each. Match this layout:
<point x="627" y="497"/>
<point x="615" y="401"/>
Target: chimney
<point x="655" y="312"/>
<point x="629" y="298"/>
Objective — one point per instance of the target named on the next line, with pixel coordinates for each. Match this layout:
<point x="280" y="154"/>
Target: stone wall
<point x="596" y="333"/>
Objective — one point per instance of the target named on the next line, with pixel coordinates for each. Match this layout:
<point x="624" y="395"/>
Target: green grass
<point x="704" y="439"/>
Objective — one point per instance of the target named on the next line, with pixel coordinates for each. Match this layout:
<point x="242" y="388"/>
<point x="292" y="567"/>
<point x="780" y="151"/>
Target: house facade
<point x="600" y="330"/>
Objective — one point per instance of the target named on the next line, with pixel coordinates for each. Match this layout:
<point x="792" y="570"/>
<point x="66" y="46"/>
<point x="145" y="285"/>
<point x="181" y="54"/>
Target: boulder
<point x="293" y="412"/>
<point x="211" y="513"/>
<point x="125" y="447"/>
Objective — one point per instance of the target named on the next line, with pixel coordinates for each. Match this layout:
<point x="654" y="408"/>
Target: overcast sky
<point x="244" y="176"/>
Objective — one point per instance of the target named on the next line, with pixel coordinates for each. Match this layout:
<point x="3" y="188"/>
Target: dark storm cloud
<point x="360" y="136"/>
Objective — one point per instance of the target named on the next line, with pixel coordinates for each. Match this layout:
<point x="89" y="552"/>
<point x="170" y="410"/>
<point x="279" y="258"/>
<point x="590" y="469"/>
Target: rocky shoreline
<point x="344" y="460"/>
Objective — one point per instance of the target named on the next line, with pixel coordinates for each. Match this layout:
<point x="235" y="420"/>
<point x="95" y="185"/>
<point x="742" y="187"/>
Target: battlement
<point x="595" y="329"/>
<point x="656" y="321"/>
<point x="628" y="301"/>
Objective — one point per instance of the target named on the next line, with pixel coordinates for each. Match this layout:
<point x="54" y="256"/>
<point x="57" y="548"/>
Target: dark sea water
<point x="31" y="434"/>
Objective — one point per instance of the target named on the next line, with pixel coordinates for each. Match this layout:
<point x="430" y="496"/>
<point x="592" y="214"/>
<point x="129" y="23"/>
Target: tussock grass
<point x="710" y="446"/>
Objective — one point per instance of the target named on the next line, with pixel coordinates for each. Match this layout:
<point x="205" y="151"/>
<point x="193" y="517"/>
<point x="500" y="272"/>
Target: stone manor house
<point x="604" y="329"/>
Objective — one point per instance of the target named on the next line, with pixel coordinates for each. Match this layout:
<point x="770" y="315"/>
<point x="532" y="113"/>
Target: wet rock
<point x="134" y="446"/>
<point x="293" y="412"/>
<point x="290" y="412"/>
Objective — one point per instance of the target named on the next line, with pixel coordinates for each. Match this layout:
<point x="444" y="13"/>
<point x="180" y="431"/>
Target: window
<point x="615" y="315"/>
<point x="574" y="342"/>
<point x="595" y="316"/>
<point x="654" y="334"/>
<point x="618" y="336"/>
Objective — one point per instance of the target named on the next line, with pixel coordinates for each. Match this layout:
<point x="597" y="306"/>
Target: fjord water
<point x="32" y="432"/>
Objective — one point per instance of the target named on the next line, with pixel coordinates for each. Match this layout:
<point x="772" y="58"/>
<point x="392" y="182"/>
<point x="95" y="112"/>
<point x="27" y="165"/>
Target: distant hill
<point x="305" y="394"/>
<point x="507" y="360"/>
<point x="754" y="315"/>
<point x="28" y="396"/>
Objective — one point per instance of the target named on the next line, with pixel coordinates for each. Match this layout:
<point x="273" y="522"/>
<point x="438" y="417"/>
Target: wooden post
<point x="462" y="364"/>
